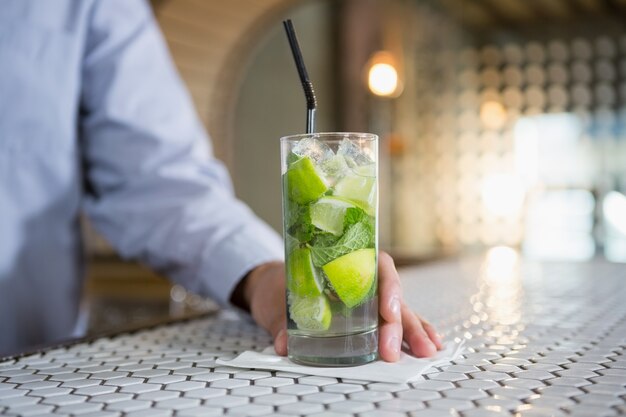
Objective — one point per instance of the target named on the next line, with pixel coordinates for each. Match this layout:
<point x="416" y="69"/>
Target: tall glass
<point x="330" y="205"/>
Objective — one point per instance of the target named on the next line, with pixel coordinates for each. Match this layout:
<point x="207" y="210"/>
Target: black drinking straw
<point x="309" y="94"/>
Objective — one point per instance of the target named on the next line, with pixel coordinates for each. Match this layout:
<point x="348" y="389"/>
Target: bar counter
<point x="541" y="339"/>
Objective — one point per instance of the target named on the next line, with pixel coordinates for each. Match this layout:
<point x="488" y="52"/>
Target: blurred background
<point x="502" y="123"/>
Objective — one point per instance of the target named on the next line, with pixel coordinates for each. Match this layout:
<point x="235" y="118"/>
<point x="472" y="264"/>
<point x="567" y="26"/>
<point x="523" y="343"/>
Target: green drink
<point x="330" y="203"/>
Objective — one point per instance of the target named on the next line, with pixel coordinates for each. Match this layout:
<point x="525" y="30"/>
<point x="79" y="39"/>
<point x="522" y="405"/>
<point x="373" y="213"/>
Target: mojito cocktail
<point x="330" y="202"/>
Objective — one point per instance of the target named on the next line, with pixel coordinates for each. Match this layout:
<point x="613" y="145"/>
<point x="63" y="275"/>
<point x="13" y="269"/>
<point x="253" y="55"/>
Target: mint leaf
<point x="359" y="233"/>
<point x="354" y="215"/>
<point x="358" y="236"/>
<point x="324" y="239"/>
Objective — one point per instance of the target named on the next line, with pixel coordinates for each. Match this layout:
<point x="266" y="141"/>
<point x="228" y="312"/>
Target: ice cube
<point x="354" y="155"/>
<point x="318" y="151"/>
<point x="334" y="168"/>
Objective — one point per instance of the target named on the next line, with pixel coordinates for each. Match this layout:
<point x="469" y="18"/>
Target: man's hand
<point x="263" y="291"/>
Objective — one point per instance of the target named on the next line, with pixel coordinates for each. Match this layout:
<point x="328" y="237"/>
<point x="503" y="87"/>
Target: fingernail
<point x="394" y="344"/>
<point x="394" y="306"/>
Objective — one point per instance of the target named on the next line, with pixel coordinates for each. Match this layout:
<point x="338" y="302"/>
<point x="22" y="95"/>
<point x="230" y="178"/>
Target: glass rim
<point x="331" y="136"/>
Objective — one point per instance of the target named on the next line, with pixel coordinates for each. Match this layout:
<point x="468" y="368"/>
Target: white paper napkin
<point x="407" y="369"/>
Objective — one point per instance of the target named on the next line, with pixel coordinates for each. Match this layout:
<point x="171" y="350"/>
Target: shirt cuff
<point x="227" y="263"/>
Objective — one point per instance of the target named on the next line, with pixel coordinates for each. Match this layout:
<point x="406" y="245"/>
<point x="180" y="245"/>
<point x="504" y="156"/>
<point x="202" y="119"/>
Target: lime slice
<point x="303" y="280"/>
<point x="352" y="276"/>
<point x="327" y="214"/>
<point x="361" y="189"/>
<point x="304" y="183"/>
<point x="310" y="313"/>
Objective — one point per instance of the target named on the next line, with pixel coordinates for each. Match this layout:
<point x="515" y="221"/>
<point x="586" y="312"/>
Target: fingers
<point x="390" y="341"/>
<point x="390" y="304"/>
<point x="280" y="342"/>
<point x="397" y="320"/>
<point x="278" y="330"/>
<point x="432" y="333"/>
<point x="415" y="334"/>
<point x="390" y="293"/>
<point x="267" y="302"/>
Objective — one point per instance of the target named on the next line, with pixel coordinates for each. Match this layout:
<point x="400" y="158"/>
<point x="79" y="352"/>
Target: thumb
<point x="280" y="342"/>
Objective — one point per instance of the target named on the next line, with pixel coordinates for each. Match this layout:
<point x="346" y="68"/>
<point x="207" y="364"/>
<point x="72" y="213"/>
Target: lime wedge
<point x="304" y="183"/>
<point x="327" y="214"/>
<point x="360" y="189"/>
<point x="303" y="280"/>
<point x="352" y="276"/>
<point x="310" y="313"/>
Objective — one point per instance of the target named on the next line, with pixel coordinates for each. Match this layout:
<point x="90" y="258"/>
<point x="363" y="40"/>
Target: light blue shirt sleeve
<point x="156" y="191"/>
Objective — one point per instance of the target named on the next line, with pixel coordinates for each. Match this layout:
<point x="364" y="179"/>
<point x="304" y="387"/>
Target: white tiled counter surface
<point x="542" y="339"/>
